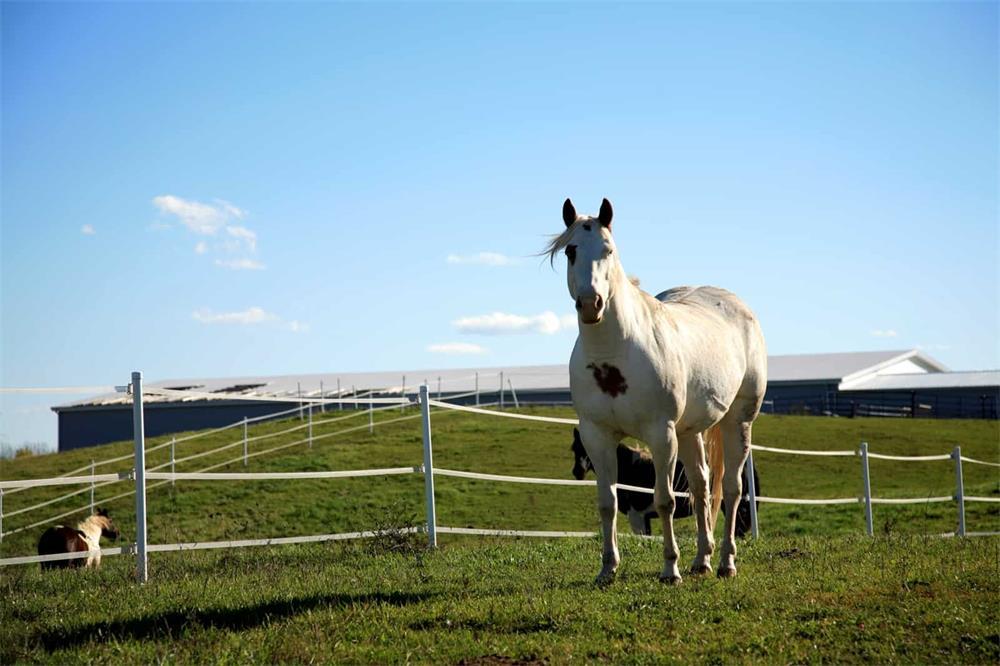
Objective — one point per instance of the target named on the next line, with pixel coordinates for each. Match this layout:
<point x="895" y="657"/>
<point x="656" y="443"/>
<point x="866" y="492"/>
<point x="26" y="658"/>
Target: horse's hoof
<point x="727" y="572"/>
<point x="670" y="580"/>
<point x="604" y="578"/>
<point x="701" y="569"/>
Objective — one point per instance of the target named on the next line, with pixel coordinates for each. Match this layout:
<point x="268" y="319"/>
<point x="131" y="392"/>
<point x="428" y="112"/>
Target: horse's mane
<point x="560" y="241"/>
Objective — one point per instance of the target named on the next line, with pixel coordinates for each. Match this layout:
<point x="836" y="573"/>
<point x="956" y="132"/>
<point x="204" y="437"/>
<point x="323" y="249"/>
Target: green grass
<point x="811" y="589"/>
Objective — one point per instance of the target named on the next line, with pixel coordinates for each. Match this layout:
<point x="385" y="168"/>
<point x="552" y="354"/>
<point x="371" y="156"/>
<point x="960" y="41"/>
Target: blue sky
<point x="225" y="189"/>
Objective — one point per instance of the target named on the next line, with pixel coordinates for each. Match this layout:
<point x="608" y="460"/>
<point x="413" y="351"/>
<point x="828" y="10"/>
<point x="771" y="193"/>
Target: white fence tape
<point x="511" y="479"/>
<point x="64" y="480"/>
<point x="801" y="452"/>
<point x="244" y="543"/>
<point x="506" y="415"/>
<point x="261" y="476"/>
<point x="972" y="498"/>
<point x="882" y="456"/>
<point x="913" y="500"/>
<point x="33" y="559"/>
<point x="979" y="462"/>
<point x="512" y="533"/>
<point x="785" y="500"/>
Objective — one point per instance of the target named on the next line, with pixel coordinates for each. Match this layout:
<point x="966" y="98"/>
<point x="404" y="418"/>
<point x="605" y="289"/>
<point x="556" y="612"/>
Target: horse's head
<point x="581" y="461"/>
<point x="590" y="264"/>
<point x="108" y="529"/>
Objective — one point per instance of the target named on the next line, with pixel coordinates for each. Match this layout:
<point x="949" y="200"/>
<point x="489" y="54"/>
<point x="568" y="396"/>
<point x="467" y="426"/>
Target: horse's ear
<point x="569" y="212"/>
<point x="604" y="217"/>
<point x="102" y="512"/>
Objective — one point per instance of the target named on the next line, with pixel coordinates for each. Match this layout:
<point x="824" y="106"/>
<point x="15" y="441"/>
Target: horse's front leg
<point x="601" y="445"/>
<point x="692" y="453"/>
<point x="663" y="443"/>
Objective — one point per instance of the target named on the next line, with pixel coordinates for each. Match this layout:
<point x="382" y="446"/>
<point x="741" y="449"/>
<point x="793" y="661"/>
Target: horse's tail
<point x="716" y="467"/>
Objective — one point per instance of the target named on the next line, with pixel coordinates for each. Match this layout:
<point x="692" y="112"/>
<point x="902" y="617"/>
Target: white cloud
<point x="201" y="247"/>
<point x="456" y="348"/>
<point x="887" y="333"/>
<point x="245" y="235"/>
<point x="240" y="264"/>
<point x="253" y="315"/>
<point x="203" y="219"/>
<point x="87" y="230"/>
<point x="482" y="259"/>
<point x="501" y="323"/>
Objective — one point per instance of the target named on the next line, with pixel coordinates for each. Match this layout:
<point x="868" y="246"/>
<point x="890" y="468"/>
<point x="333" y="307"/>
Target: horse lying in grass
<point x="673" y="371"/>
<point x="86" y="537"/>
<point x="635" y="468"/>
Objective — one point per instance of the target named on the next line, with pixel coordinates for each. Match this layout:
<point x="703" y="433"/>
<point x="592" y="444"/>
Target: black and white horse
<point x="635" y="468"/>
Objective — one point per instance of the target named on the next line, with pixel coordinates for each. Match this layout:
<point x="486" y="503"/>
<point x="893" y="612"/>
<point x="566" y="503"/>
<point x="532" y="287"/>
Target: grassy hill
<point x="812" y="588"/>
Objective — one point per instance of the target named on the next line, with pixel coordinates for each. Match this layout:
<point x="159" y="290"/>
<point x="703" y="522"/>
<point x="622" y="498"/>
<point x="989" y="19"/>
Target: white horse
<point x="666" y="371"/>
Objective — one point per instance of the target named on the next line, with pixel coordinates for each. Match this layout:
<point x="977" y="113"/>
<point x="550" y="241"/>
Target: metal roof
<point x="855" y="366"/>
<point x="986" y="379"/>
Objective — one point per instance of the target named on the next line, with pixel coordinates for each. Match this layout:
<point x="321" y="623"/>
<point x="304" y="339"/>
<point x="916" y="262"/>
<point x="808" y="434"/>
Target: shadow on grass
<point x="173" y="623"/>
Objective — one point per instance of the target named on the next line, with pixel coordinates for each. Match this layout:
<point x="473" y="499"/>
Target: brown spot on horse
<point x="609" y="378"/>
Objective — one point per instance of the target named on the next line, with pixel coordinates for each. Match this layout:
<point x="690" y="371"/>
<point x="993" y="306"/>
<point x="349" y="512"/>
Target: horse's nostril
<point x="598" y="302"/>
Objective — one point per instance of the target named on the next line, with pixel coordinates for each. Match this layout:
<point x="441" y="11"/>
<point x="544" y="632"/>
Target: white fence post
<point x="354" y="390"/>
<point x="322" y="396"/>
<point x="439" y="388"/>
<point x="960" y="483"/>
<point x="301" y="415"/>
<point x="310" y="425"/>
<point x="425" y="412"/>
<point x="753" y="496"/>
<point x="869" y="528"/>
<point x="340" y="405"/>
<point x="501" y="389"/>
<point x="92" y="484"/>
<point x="371" y="417"/>
<point x="1" y="515"/>
<point x="402" y="394"/>
<point x="173" y="468"/>
<point x="513" y="394"/>
<point x="477" y="389"/>
<point x="139" y="433"/>
<point x="246" y="451"/>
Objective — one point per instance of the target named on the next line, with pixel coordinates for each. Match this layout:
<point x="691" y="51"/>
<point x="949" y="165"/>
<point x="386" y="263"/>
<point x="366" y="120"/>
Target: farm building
<point x="892" y="383"/>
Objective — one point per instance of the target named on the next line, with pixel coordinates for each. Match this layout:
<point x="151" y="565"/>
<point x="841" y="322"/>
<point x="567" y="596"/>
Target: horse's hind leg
<point x="736" y="446"/>
<point x="692" y="454"/>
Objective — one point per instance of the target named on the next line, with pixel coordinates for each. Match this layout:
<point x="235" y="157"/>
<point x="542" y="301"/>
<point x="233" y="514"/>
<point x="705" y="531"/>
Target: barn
<point x="904" y="383"/>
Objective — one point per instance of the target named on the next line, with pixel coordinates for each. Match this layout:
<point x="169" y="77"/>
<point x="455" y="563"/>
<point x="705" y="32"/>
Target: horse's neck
<point x="626" y="318"/>
<point x="91" y="529"/>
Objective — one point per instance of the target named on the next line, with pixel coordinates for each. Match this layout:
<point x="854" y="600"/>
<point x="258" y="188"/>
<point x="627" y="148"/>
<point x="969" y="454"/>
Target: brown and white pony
<point x="85" y="537"/>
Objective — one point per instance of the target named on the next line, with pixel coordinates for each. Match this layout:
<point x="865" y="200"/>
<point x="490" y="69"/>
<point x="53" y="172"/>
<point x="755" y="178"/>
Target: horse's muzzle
<point x="591" y="309"/>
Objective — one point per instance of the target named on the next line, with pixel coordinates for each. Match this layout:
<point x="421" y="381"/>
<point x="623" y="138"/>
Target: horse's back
<point x="61" y="539"/>
<point x="736" y="322"/>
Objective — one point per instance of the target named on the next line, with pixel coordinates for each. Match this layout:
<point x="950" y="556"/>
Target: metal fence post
<point x="139" y="433"/>
<point x="1" y="515"/>
<point x="340" y="405"/>
<point x="477" y="389"/>
<point x="173" y="468"/>
<point x="960" y="484"/>
<point x="310" y="425"/>
<point x="439" y="389"/>
<point x="754" y="530"/>
<point x="425" y="413"/>
<point x="301" y="415"/>
<point x="322" y="396"/>
<point x="869" y="528"/>
<point x="354" y="390"/>
<point x="92" y="466"/>
<point x="371" y="417"/>
<point x="402" y="394"/>
<point x="246" y="448"/>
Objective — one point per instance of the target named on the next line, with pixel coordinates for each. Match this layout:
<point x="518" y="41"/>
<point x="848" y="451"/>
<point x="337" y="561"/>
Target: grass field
<point x="811" y="589"/>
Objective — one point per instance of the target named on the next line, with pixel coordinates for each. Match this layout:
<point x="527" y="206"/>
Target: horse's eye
<point x="571" y="253"/>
